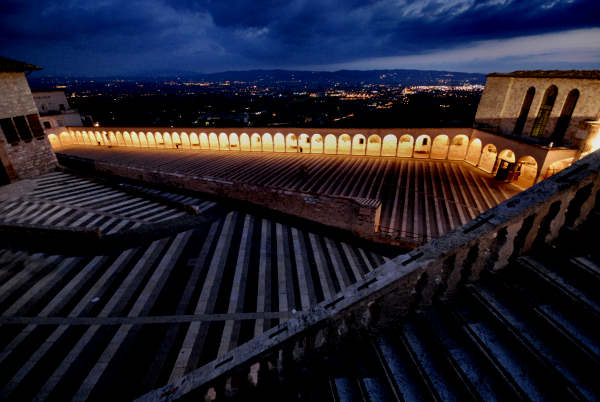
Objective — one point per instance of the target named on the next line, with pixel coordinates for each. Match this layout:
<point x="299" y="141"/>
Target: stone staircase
<point x="530" y="331"/>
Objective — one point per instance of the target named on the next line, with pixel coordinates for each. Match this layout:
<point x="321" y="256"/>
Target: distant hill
<point x="349" y="77"/>
<point x="311" y="78"/>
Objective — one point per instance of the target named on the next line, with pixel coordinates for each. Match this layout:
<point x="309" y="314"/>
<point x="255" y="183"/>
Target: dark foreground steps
<point x="528" y="332"/>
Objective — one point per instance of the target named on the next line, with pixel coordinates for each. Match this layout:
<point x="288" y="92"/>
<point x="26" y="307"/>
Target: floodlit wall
<point x="475" y="147"/>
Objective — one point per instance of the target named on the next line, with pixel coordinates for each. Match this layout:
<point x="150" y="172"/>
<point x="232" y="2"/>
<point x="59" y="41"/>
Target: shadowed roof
<point x="10" y="65"/>
<point x="582" y="74"/>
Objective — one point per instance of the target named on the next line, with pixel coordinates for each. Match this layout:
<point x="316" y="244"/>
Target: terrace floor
<point x="421" y="198"/>
<point x="117" y="324"/>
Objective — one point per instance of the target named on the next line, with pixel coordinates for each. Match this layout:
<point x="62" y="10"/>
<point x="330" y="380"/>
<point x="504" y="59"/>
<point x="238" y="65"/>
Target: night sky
<point x="111" y="37"/>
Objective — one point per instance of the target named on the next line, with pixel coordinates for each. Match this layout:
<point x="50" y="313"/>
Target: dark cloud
<point x="112" y="36"/>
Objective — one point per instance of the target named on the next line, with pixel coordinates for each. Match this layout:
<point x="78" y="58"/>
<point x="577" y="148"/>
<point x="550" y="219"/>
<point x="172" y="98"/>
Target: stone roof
<point x="10" y="65"/>
<point x="581" y="74"/>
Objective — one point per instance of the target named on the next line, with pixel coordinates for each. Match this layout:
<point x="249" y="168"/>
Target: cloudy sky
<point x="112" y="37"/>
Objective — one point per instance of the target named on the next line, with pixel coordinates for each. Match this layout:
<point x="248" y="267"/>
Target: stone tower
<point x="24" y="149"/>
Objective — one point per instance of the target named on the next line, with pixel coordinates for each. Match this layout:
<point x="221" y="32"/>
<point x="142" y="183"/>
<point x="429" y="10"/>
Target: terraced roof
<point x="81" y="326"/>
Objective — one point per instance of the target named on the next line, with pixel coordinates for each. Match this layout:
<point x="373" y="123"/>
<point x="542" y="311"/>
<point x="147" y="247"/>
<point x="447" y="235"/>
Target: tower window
<point x="34" y="123"/>
<point x="22" y="128"/>
<point x="565" y="116"/>
<point x="9" y="130"/>
<point x="524" y="111"/>
<point x="539" y="126"/>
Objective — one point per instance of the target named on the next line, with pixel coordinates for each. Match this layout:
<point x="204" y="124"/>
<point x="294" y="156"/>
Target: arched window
<point x="539" y="126"/>
<point x="524" y="111"/>
<point x="565" y="117"/>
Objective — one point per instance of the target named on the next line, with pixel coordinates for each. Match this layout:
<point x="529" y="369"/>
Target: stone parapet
<point x="408" y="282"/>
<point x="360" y="216"/>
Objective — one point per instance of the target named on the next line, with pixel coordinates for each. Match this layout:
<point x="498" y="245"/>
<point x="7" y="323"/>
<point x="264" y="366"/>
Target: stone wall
<point x="503" y="98"/>
<point x="408" y="282"/>
<point x="361" y="216"/>
<point x="26" y="158"/>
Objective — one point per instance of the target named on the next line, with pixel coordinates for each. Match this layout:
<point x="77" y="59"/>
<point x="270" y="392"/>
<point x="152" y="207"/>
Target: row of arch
<point x="460" y="147"/>
<point x="541" y="121"/>
<point x="374" y="145"/>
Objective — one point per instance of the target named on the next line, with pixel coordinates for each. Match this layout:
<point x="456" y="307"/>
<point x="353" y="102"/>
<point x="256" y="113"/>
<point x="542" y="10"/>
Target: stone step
<point x="560" y="285"/>
<point x="543" y="353"/>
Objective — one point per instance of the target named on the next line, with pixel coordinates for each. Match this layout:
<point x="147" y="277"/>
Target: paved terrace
<point x="116" y="325"/>
<point x="60" y="199"/>
<point x="421" y="199"/>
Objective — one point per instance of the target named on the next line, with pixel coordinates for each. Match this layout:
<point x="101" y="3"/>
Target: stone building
<point x="24" y="149"/>
<point x="55" y="110"/>
<point x="545" y="107"/>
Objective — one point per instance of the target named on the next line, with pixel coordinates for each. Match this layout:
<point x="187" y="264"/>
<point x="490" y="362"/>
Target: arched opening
<point x="474" y="152"/>
<point x="80" y="139"/>
<point x="112" y="138"/>
<point x="557" y="166"/>
<point x="390" y="143"/>
<point x="422" y="147"/>
<point x="565" y="117"/>
<point x="316" y="144"/>
<point x="127" y="138"/>
<point x="143" y="141"/>
<point x="304" y="143"/>
<point x="255" y="142"/>
<point x="167" y="140"/>
<point x="176" y="140"/>
<point x="63" y="138"/>
<point x="406" y="146"/>
<point x="488" y="158"/>
<point x="54" y="141"/>
<point x="291" y="143"/>
<point x="194" y="140"/>
<point x="374" y="145"/>
<point x="234" y="142"/>
<point x="522" y="119"/>
<point x="267" y="142"/>
<point x="223" y="142"/>
<point x="330" y="144"/>
<point x="185" y="141"/>
<point x="458" y="147"/>
<point x="204" y="143"/>
<point x="213" y="141"/>
<point x="539" y="125"/>
<point x="344" y="144"/>
<point x="99" y="139"/>
<point x="244" y="142"/>
<point x="84" y="137"/>
<point x="505" y="162"/>
<point x="526" y="172"/>
<point x="359" y="144"/>
<point x="150" y="138"/>
<point x="439" y="148"/>
<point x="159" y="140"/>
<point x="279" y="142"/>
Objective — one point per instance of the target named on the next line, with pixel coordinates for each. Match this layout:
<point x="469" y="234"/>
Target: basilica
<point x="160" y="264"/>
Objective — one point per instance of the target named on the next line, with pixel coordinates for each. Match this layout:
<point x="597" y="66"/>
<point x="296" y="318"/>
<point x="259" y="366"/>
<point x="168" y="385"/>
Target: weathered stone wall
<point x="361" y="216"/>
<point x="503" y="98"/>
<point x="407" y="282"/>
<point x="28" y="158"/>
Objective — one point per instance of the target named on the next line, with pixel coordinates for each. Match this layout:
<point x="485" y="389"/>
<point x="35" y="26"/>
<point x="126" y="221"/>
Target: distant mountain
<point x="347" y="77"/>
<point x="313" y="78"/>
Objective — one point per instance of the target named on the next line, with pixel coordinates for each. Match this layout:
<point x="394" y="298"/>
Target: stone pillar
<point x="592" y="140"/>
